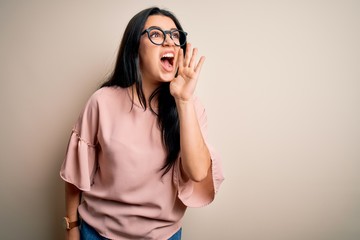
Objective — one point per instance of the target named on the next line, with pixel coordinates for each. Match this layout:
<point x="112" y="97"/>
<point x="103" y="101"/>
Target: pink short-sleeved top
<point x="114" y="156"/>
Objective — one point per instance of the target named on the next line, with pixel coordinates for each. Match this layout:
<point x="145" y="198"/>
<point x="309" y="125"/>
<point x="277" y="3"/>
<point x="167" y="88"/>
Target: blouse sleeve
<point x="199" y="194"/>
<point x="79" y="165"/>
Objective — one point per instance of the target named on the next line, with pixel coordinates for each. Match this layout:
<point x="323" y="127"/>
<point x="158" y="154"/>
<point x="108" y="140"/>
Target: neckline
<point x="128" y="93"/>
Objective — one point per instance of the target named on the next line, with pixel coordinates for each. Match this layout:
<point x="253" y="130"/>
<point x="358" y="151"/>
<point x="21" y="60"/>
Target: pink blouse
<point x="114" y="156"/>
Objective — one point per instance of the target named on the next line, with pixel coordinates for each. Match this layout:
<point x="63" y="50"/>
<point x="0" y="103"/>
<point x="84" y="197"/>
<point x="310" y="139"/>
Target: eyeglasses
<point x="157" y="36"/>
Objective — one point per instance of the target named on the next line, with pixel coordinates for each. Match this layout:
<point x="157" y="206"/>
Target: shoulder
<point x="105" y="94"/>
<point x="110" y="100"/>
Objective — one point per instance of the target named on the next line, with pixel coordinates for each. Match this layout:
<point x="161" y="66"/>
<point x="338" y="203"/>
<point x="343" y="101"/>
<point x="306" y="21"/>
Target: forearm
<point x="195" y="156"/>
<point x="72" y="201"/>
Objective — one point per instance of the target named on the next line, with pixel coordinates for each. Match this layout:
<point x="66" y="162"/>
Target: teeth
<point x="168" y="55"/>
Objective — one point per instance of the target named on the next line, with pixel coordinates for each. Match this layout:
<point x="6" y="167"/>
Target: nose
<point x="168" y="40"/>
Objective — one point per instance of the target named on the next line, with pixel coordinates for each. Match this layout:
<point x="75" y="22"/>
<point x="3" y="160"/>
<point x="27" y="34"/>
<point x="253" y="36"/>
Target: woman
<point x="137" y="156"/>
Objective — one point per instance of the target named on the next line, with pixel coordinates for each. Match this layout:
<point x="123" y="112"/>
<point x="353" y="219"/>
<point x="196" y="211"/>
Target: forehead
<point x="160" y="21"/>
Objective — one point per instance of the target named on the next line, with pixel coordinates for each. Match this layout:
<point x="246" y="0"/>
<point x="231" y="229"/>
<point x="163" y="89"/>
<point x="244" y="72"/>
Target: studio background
<point x="281" y="85"/>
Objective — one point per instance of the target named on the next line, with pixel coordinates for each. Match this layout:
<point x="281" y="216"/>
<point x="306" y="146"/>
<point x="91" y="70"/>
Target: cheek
<point x="143" y="61"/>
<point x="177" y="56"/>
<point x="148" y="56"/>
<point x="144" y="51"/>
<point x="147" y="60"/>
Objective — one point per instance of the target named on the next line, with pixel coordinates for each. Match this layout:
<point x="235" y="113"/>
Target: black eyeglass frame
<point x="165" y="32"/>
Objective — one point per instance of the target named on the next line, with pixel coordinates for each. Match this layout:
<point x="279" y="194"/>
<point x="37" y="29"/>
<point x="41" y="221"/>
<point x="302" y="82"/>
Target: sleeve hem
<point x="84" y="189"/>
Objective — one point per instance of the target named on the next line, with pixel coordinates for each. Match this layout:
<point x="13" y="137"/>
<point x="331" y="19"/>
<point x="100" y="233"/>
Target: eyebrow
<point x="161" y="28"/>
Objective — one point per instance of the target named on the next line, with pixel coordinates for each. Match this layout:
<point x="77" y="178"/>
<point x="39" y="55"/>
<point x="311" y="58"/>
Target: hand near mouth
<point x="183" y="86"/>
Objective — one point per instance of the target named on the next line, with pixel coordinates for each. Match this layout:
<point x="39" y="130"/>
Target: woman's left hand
<point x="183" y="86"/>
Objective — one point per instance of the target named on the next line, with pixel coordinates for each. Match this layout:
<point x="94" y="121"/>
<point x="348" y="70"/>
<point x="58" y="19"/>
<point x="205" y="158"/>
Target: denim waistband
<point x="89" y="233"/>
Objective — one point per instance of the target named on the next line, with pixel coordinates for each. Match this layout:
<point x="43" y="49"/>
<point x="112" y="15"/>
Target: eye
<point x="176" y="35"/>
<point x="155" y="33"/>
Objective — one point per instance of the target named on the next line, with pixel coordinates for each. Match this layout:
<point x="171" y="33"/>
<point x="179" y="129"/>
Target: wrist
<point x="183" y="102"/>
<point x="70" y="224"/>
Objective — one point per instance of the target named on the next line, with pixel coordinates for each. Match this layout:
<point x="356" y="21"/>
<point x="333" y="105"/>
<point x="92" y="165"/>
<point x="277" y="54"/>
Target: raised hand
<point x="183" y="86"/>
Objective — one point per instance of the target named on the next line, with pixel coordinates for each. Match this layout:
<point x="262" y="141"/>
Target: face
<point x="158" y="63"/>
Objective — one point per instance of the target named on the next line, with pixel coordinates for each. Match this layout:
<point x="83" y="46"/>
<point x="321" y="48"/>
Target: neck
<point x="147" y="89"/>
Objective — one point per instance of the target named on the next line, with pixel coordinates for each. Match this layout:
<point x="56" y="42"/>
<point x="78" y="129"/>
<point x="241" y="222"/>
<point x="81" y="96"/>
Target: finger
<point x="187" y="55"/>
<point x="181" y="58"/>
<point x="193" y="57"/>
<point x="199" y="65"/>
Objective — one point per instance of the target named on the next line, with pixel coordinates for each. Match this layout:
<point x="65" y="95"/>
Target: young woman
<point x="137" y="156"/>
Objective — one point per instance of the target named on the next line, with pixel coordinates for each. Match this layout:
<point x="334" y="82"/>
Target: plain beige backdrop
<point x="281" y="84"/>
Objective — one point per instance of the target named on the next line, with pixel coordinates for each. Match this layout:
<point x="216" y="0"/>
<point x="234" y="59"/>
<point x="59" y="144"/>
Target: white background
<point x="281" y="84"/>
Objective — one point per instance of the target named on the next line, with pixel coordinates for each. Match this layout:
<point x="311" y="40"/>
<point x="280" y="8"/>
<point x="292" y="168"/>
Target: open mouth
<point x="167" y="61"/>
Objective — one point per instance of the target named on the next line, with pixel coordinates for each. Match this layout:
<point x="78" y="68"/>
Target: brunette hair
<point x="127" y="72"/>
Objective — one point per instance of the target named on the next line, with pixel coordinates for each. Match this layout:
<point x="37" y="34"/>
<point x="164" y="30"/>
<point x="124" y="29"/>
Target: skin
<point x="195" y="156"/>
<point x="72" y="200"/>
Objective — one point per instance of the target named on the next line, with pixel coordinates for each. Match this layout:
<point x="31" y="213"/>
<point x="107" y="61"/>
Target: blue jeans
<point x="176" y="236"/>
<point x="89" y="233"/>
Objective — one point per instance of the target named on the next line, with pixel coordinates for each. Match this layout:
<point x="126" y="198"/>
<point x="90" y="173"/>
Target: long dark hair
<point x="127" y="72"/>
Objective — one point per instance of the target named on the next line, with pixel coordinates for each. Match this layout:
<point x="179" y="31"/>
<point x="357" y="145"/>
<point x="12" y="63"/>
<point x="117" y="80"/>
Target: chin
<point x="167" y="77"/>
